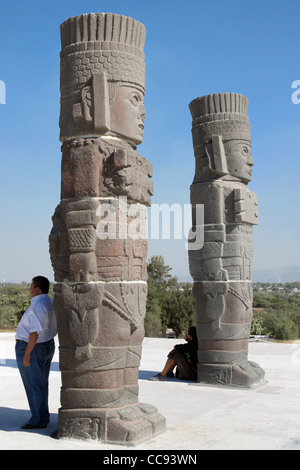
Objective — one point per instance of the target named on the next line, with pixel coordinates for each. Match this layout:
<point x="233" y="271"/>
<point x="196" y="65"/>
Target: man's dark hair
<point x="41" y="282"/>
<point x="192" y="331"/>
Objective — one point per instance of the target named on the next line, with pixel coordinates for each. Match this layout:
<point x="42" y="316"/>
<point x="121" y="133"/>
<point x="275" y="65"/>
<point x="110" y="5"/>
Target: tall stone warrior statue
<point x="96" y="245"/>
<point x="221" y="269"/>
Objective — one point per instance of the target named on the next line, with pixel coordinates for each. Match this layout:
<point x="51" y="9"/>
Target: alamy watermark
<point x="2" y="92"/>
<point x="120" y="219"/>
<point x="296" y="94"/>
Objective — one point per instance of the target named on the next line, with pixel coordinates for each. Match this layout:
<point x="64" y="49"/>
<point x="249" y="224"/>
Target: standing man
<point x="35" y="350"/>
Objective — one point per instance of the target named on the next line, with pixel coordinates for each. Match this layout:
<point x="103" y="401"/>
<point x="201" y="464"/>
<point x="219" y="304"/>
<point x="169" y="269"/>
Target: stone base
<point x="244" y="375"/>
<point x="130" y="425"/>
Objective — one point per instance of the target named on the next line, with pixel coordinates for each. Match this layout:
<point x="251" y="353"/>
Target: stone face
<point x="98" y="243"/>
<point x="102" y="76"/>
<point x="222" y="267"/>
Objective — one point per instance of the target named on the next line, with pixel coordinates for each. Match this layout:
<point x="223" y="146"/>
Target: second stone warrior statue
<point x="222" y="267"/>
<point x="97" y="246"/>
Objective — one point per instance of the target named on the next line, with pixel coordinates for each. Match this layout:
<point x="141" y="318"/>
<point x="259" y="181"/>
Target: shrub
<point x="257" y="325"/>
<point x="280" y="325"/>
<point x="276" y="323"/>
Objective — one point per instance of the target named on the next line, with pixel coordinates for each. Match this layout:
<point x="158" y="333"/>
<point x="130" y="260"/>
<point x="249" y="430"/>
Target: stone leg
<point x="100" y="351"/>
<point x="224" y="313"/>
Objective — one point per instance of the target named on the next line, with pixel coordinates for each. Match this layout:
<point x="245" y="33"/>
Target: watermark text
<point x="121" y="220"/>
<point x="2" y="92"/>
<point x="296" y="94"/>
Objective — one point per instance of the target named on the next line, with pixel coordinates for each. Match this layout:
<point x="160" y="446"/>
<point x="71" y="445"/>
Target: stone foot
<point x="130" y="425"/>
<point x="247" y="374"/>
<point x="134" y="424"/>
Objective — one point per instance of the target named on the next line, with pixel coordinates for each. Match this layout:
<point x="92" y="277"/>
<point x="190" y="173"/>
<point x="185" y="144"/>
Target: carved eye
<point x="134" y="99"/>
<point x="245" y="151"/>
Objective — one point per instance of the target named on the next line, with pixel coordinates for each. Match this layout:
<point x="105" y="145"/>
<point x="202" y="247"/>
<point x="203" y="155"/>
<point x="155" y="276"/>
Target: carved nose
<point x="142" y="112"/>
<point x="250" y="161"/>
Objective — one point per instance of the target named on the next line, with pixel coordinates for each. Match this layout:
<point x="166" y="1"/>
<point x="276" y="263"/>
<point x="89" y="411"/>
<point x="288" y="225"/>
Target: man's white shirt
<point x="40" y="318"/>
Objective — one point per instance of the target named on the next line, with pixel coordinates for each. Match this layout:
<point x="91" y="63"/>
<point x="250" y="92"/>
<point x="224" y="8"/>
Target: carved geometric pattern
<point x="119" y="66"/>
<point x="81" y="238"/>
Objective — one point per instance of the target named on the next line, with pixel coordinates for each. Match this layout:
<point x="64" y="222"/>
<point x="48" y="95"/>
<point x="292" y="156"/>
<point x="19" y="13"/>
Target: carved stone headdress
<point x="218" y="118"/>
<point x="220" y="114"/>
<point x="100" y="51"/>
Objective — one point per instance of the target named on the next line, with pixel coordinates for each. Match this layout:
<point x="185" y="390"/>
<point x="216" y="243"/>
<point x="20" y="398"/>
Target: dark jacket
<point x="189" y="351"/>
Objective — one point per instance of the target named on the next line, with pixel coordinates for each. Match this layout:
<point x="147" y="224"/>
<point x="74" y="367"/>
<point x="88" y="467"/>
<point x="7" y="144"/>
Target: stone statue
<point x="221" y="268"/>
<point x="96" y="245"/>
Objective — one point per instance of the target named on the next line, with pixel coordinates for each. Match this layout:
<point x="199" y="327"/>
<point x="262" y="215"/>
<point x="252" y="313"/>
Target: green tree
<point x="14" y="300"/>
<point x="152" y="323"/>
<point x="159" y="273"/>
<point x="153" y="326"/>
<point x="279" y="317"/>
<point x="169" y="304"/>
<point x="179" y="311"/>
<point x="159" y="282"/>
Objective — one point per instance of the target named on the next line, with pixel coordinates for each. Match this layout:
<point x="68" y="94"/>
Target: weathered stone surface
<point x="95" y="239"/>
<point x="222" y="268"/>
<point x="130" y="425"/>
<point x="98" y="243"/>
<point x="103" y="167"/>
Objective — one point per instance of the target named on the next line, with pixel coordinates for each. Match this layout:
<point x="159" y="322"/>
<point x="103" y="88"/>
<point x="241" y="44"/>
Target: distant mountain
<point x="286" y="274"/>
<point x="185" y="279"/>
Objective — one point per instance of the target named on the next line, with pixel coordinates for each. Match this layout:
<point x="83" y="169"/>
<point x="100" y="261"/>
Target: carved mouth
<point x="141" y="126"/>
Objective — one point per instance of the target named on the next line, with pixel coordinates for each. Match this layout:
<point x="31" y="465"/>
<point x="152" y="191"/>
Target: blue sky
<point x="192" y="48"/>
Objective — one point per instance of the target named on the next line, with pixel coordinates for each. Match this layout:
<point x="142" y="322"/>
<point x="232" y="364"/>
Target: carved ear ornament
<point x="216" y="155"/>
<point x="94" y="105"/>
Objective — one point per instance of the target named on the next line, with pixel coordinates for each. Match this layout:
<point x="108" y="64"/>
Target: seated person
<point x="184" y="356"/>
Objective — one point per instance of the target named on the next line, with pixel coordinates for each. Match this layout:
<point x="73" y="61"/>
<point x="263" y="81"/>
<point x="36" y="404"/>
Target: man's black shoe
<point x="31" y="426"/>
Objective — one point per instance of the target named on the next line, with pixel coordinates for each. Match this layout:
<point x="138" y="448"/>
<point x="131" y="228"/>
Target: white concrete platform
<point x="198" y="417"/>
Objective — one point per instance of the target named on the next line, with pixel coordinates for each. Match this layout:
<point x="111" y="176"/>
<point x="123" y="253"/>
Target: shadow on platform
<point x="12" y="419"/>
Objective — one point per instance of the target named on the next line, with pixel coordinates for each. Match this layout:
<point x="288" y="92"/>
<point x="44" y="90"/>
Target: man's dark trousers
<point x="36" y="379"/>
